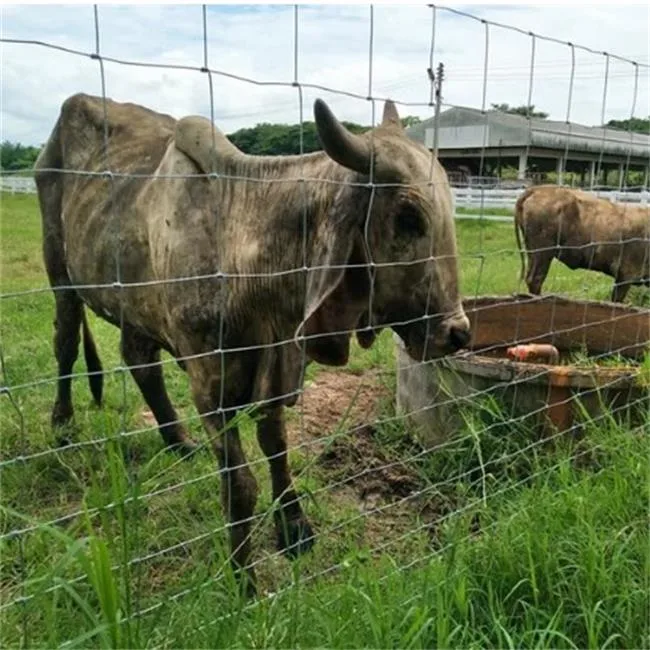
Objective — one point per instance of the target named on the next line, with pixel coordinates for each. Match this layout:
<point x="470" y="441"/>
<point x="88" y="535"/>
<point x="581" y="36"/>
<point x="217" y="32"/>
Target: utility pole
<point x="437" y="80"/>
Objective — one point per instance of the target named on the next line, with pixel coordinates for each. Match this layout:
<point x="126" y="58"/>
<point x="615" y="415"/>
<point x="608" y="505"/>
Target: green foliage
<point x="410" y="120"/>
<point x="282" y="139"/>
<point x="638" y="124"/>
<point x="15" y="156"/>
<point x="520" y="110"/>
<point x="285" y="139"/>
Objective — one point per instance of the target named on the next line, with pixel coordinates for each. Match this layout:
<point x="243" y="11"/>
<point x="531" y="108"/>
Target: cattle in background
<point x="583" y="232"/>
<point x="233" y="264"/>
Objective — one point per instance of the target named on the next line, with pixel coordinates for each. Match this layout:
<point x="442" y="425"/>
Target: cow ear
<point x="338" y="290"/>
<point x="391" y="116"/>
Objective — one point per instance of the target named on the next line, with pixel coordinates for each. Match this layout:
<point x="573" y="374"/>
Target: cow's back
<point x="550" y="216"/>
<point x="103" y="154"/>
<point x="107" y="145"/>
<point x="87" y="122"/>
<point x="108" y="152"/>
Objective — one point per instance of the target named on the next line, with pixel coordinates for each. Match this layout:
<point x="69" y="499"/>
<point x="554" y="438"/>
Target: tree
<point x="14" y="156"/>
<point x="520" y="110"/>
<point x="273" y="139"/>
<point x="282" y="139"/>
<point x="638" y="124"/>
<point x="410" y="120"/>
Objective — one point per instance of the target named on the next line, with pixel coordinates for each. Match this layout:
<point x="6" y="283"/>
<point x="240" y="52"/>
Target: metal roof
<point x="468" y="128"/>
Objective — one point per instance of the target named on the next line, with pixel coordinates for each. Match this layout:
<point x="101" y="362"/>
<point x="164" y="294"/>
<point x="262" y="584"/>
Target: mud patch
<point x="340" y="418"/>
<point x="338" y="424"/>
<point x="364" y="464"/>
<point x="336" y="401"/>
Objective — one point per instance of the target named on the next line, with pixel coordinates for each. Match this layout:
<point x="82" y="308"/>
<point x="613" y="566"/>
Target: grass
<point x="486" y="210"/>
<point x="497" y="540"/>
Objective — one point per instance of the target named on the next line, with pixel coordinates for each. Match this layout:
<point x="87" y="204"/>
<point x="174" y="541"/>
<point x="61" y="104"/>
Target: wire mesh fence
<point x="241" y="398"/>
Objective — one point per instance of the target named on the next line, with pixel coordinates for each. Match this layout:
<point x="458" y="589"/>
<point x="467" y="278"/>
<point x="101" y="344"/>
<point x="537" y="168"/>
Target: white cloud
<point x="258" y="43"/>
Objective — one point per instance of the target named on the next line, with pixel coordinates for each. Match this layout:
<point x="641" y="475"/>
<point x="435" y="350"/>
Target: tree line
<point x="285" y="139"/>
<point x="15" y="156"/>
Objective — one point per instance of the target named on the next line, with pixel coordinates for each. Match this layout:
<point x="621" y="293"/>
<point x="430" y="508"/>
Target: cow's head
<point x="399" y="235"/>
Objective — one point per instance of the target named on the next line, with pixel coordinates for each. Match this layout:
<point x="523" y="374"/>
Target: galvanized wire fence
<point x="30" y="453"/>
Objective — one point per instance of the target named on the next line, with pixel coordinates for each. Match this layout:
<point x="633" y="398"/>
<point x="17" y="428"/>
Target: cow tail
<point x="93" y="362"/>
<point x="519" y="232"/>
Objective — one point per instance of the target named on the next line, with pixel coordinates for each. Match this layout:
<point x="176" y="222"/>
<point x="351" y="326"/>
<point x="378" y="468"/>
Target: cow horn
<point x="347" y="149"/>
<point x="202" y="141"/>
<point x="391" y="117"/>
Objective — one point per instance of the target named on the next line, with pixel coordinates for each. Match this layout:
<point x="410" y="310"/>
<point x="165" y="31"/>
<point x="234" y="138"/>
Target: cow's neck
<point x="267" y="218"/>
<point x="286" y="168"/>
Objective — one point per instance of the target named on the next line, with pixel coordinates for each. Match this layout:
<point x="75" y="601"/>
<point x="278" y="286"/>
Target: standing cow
<point x="233" y="264"/>
<point x="584" y="232"/>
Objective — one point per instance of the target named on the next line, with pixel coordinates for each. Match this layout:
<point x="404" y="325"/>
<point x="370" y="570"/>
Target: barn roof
<point x="465" y="128"/>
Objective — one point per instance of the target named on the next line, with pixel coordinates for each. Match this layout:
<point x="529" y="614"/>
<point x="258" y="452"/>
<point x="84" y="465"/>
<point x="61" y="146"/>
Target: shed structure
<point x="485" y="142"/>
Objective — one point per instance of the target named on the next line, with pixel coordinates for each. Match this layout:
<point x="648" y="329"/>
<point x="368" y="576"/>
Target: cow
<point x="243" y="268"/>
<point x="583" y="232"/>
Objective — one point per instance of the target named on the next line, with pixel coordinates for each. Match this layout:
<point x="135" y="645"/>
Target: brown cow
<point x="584" y="232"/>
<point x="241" y="270"/>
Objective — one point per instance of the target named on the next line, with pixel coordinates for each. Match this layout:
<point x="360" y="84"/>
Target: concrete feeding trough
<point x="433" y="394"/>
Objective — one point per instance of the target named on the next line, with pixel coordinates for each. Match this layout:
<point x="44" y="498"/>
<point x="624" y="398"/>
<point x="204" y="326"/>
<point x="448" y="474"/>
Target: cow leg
<point x="238" y="485"/>
<point x="69" y="314"/>
<point x="141" y="351"/>
<point x="238" y="498"/>
<point x="238" y="492"/>
<point x="294" y="534"/>
<point x="538" y="266"/>
<point x="619" y="291"/>
<point x="68" y="305"/>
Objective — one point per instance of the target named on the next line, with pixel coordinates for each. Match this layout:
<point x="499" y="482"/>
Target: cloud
<point x="258" y="43"/>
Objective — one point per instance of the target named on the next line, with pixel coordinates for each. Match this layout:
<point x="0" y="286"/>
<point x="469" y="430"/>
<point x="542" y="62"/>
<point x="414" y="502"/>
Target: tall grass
<point x="554" y="558"/>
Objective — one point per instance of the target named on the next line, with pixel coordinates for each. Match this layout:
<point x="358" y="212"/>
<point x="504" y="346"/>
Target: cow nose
<point x="459" y="335"/>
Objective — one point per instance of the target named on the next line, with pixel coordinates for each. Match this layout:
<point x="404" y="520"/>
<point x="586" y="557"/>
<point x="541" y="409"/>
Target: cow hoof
<point x="64" y="440"/>
<point x="66" y="432"/>
<point x="295" y="537"/>
<point x="61" y="416"/>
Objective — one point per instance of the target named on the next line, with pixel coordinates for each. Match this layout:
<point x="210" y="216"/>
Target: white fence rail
<point x="471" y="197"/>
<point x="465" y="197"/>
<point x="18" y="184"/>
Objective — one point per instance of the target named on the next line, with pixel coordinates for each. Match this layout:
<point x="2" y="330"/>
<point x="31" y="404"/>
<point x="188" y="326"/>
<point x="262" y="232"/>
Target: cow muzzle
<point x="440" y="338"/>
<point x="457" y="333"/>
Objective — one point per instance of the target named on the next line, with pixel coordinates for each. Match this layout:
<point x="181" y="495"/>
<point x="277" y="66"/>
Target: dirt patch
<point x="365" y="472"/>
<point x="335" y="401"/>
<point x="363" y="463"/>
<point x="339" y="414"/>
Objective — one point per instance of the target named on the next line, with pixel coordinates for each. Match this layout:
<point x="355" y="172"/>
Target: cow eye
<point x="410" y="222"/>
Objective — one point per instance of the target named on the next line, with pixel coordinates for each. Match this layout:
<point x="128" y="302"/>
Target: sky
<point x="258" y="44"/>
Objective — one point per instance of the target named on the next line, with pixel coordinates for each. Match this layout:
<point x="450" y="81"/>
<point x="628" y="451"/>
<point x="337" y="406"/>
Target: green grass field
<point x="497" y="540"/>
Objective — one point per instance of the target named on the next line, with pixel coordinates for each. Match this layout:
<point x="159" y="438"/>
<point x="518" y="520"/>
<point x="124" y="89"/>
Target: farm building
<point x="534" y="147"/>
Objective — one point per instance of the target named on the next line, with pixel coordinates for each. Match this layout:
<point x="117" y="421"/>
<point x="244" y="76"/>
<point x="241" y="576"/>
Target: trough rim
<point x="472" y="362"/>
<point x="569" y="376"/>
